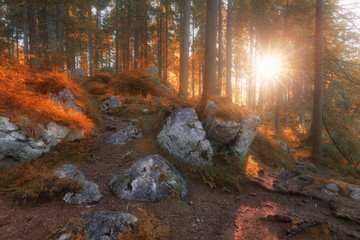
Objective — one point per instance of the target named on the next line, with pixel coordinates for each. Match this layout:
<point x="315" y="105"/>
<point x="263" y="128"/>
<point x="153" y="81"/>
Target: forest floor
<point x="204" y="213"/>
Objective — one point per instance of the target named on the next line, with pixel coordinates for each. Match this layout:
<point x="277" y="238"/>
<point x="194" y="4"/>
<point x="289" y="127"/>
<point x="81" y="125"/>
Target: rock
<point x="90" y="192"/>
<point x="66" y="97"/>
<point x="233" y="136"/>
<point x="16" y="144"/>
<point x="331" y="188"/>
<point x="304" y="179"/>
<point x="110" y="104"/>
<point x="305" y="166"/>
<point x="164" y="87"/>
<point x="75" y="134"/>
<point x="282" y="145"/>
<point x="184" y="137"/>
<point x="334" y="205"/>
<point x="145" y="111"/>
<point x="97" y="226"/>
<point x="134" y="121"/>
<point x="151" y="178"/>
<point x="125" y="135"/>
<point x="130" y="156"/>
<point x="355" y="192"/>
<point x="78" y="72"/>
<point x="219" y="133"/>
<point x="246" y="135"/>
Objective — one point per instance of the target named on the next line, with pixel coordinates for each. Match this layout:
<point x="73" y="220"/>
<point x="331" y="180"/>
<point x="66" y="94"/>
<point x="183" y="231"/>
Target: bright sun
<point x="269" y="66"/>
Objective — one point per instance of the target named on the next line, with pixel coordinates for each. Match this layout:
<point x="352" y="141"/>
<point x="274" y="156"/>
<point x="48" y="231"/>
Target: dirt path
<point x="203" y="214"/>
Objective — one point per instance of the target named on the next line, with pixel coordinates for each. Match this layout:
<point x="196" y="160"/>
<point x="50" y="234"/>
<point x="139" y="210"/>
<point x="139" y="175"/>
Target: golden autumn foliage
<point x="25" y="93"/>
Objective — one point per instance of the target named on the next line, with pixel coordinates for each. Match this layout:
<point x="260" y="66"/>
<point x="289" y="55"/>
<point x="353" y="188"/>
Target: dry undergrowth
<point x="148" y="228"/>
<point x="33" y="181"/>
<point x="267" y="151"/>
<point x="133" y="83"/>
<point x="24" y="92"/>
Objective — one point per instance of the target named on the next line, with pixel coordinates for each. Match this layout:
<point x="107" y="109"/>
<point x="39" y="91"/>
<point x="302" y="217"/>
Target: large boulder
<point x="354" y="192"/>
<point x="89" y="193"/>
<point x="184" y="137"/>
<point x="233" y="136"/>
<point x="125" y="135"/>
<point x="220" y="133"/>
<point x="65" y="97"/>
<point x="244" y="139"/>
<point x="164" y="87"/>
<point x="331" y="188"/>
<point x="17" y="145"/>
<point x="151" y="178"/>
<point x="110" y="104"/>
<point x="96" y="226"/>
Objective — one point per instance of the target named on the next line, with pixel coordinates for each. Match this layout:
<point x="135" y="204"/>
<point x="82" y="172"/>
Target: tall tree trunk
<point x="316" y="123"/>
<point x="146" y="40"/>
<point x="127" y="46"/>
<point x="33" y="34"/>
<point x="50" y="20"/>
<point x="117" y="38"/>
<point x="184" y="49"/>
<point x="160" y="20"/>
<point x="209" y="84"/>
<point x="26" y="30"/>
<point x="166" y="39"/>
<point x="220" y="56"/>
<point x="97" y="47"/>
<point x="137" y="33"/>
<point x="277" y="109"/>
<point x="193" y="57"/>
<point x="60" y="34"/>
<point x="71" y="48"/>
<point x="90" y="39"/>
<point x="229" y="51"/>
<point x="251" y="77"/>
<point x="123" y="41"/>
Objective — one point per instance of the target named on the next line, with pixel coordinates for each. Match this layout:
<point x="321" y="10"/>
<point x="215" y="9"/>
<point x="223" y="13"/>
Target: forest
<point x="191" y="119"/>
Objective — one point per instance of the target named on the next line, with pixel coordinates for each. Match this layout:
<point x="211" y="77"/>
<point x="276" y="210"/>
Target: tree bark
<point x="26" y="31"/>
<point x="33" y="34"/>
<point x="209" y="83"/>
<point x="184" y="49"/>
<point x="316" y="123"/>
<point x="60" y="34"/>
<point x="229" y="51"/>
<point x="220" y="56"/>
<point x="50" y="20"/>
<point x="160" y="53"/>
<point x="117" y="38"/>
<point x="166" y="39"/>
<point x="90" y="39"/>
<point x="137" y="33"/>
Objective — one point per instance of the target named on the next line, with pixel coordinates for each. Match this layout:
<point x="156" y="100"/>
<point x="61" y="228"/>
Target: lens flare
<point x="269" y="66"/>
